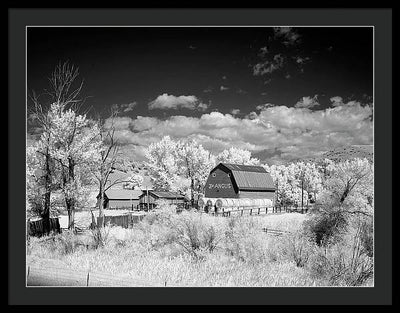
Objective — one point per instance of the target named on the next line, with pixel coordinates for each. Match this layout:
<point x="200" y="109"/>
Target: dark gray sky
<point x="169" y="73"/>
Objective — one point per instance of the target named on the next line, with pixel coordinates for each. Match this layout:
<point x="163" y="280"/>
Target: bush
<point x="345" y="263"/>
<point x="100" y="236"/>
<point x="163" y="213"/>
<point x="68" y="242"/>
<point x="326" y="227"/>
<point x="198" y="234"/>
<point x="245" y="240"/>
<point x="299" y="248"/>
<point x="367" y="236"/>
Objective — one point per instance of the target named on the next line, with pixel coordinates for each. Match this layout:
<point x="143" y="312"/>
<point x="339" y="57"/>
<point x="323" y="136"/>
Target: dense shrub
<point x="299" y="248"/>
<point x="326" y="227"/>
<point x="198" y="234"/>
<point x="367" y="236"/>
<point x="348" y="262"/>
<point x="100" y="236"/>
<point x="342" y="265"/>
<point x="245" y="241"/>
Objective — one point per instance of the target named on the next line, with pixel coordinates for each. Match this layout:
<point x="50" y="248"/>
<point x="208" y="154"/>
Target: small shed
<point x="121" y="198"/>
<point x="239" y="181"/>
<point x="148" y="199"/>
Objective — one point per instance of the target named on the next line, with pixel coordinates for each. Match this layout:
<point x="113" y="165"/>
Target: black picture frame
<point x="381" y="293"/>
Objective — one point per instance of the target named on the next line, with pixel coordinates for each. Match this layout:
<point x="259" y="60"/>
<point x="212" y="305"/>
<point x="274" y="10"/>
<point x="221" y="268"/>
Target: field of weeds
<point x="192" y="249"/>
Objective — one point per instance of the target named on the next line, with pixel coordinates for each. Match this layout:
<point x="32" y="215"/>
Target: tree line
<point x="75" y="152"/>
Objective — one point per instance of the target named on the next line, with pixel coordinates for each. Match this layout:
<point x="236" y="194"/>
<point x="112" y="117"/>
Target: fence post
<point x="87" y="280"/>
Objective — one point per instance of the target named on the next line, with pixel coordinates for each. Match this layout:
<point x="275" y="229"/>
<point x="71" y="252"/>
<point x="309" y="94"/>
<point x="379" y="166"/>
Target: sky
<point x="281" y="92"/>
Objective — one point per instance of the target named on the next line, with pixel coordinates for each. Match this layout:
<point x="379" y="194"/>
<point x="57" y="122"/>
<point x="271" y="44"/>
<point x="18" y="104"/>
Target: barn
<point x="148" y="199"/>
<point x="121" y="198"/>
<point x="236" y="181"/>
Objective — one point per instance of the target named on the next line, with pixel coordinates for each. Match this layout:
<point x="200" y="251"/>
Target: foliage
<point x="343" y="264"/>
<point x="192" y="249"/>
<point x="350" y="185"/>
<point x="326" y="227"/>
<point x="100" y="236"/>
<point x="299" y="248"/>
<point x="68" y="144"/>
<point x="179" y="166"/>
<point x="245" y="241"/>
<point x="237" y="156"/>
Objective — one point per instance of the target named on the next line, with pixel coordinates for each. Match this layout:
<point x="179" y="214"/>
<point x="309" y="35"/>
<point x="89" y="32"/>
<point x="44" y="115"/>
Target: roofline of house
<point x="257" y="189"/>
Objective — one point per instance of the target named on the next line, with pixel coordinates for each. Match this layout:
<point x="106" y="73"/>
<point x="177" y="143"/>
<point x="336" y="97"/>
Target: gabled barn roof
<point x="165" y="194"/>
<point x="126" y="194"/>
<point x="250" y="177"/>
<point x="245" y="168"/>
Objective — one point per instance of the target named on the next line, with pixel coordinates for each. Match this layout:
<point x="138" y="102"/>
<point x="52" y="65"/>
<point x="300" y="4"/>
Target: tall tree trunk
<point x="101" y="206"/>
<point x="192" y="191"/>
<point x="70" y="200"/>
<point x="302" y="196"/>
<point x="46" y="213"/>
<point x="47" y="196"/>
<point x="71" y="215"/>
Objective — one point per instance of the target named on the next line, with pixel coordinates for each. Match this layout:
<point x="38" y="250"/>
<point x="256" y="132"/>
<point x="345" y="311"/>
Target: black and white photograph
<point x="200" y="156"/>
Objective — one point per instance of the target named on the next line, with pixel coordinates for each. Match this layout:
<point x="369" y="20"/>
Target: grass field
<point x="189" y="249"/>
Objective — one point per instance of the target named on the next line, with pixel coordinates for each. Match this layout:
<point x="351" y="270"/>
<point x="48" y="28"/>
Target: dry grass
<point x="193" y="249"/>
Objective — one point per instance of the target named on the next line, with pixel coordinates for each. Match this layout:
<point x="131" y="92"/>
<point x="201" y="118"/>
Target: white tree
<point x="134" y="180"/>
<point x="75" y="145"/>
<point x="179" y="166"/>
<point x="237" y="156"/>
<point x="163" y="163"/>
<point x="39" y="185"/>
<point x="61" y="94"/>
<point x="196" y="164"/>
<point x="350" y="185"/>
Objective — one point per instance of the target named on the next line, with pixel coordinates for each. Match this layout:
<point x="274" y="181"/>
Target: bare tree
<point x="108" y="158"/>
<point x="62" y="96"/>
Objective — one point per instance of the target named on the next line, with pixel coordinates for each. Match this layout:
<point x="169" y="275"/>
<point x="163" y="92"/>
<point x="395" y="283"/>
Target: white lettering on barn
<point x="219" y="186"/>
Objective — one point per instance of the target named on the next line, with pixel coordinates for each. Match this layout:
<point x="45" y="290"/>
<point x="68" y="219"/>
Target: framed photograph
<point x="238" y="154"/>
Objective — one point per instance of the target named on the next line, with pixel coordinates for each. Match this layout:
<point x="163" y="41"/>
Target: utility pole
<point x="148" y="202"/>
<point x="302" y="190"/>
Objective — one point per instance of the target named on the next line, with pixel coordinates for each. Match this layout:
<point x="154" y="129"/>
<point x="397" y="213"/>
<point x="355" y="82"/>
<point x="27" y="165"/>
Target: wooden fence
<point x="125" y="221"/>
<point x="275" y="232"/>
<point x="257" y="211"/>
<point x="35" y="228"/>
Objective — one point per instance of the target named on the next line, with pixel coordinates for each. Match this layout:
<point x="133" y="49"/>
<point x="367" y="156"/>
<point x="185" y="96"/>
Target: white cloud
<point x="290" y="131"/>
<point x="269" y="66"/>
<point x="235" y="111"/>
<point x="264" y="106"/>
<point x="288" y="35"/>
<point x="336" y="101"/>
<point x="301" y="60"/>
<point x="126" y="107"/>
<point x="166" y="101"/>
<point x="307" y="102"/>
<point x="263" y="51"/>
